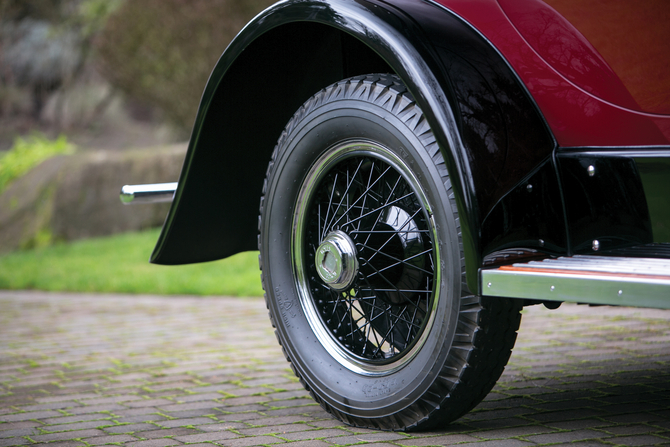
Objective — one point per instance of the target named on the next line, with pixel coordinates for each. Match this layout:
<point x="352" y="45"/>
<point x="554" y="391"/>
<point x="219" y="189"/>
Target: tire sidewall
<point x="312" y="131"/>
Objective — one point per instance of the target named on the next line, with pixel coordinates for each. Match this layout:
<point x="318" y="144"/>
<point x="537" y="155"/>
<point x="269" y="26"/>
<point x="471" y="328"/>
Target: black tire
<point x="389" y="337"/>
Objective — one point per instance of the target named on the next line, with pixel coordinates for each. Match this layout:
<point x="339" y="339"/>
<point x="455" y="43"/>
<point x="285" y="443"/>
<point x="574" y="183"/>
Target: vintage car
<point x="424" y="169"/>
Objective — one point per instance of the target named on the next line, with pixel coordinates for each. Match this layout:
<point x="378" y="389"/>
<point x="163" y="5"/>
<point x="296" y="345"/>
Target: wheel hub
<point x="364" y="254"/>
<point x="336" y="261"/>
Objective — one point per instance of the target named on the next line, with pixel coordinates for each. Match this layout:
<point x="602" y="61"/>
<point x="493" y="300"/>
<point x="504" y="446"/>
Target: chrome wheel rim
<point x="364" y="254"/>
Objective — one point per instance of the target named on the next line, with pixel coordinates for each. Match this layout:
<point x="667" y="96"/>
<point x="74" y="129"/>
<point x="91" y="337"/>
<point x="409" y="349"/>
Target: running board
<point x="640" y="282"/>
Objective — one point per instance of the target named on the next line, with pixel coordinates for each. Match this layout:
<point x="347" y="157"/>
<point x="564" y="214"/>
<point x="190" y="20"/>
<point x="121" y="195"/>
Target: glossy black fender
<point x="489" y="130"/>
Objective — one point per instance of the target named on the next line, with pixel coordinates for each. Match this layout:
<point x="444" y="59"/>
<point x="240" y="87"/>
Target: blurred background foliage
<point x="46" y="51"/>
<point x="29" y="152"/>
<point x="167" y="66"/>
<point x="65" y="63"/>
<point x="100" y="75"/>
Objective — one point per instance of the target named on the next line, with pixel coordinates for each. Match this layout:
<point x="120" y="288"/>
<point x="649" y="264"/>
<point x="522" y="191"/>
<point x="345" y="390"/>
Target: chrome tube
<point x="150" y="193"/>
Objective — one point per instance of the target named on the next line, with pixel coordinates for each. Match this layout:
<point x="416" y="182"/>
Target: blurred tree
<point x="38" y="58"/>
<point x="17" y="10"/>
<point x="162" y="51"/>
<point x="45" y="44"/>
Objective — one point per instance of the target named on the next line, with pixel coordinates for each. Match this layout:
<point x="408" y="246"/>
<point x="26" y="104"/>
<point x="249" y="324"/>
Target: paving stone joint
<point x="151" y="371"/>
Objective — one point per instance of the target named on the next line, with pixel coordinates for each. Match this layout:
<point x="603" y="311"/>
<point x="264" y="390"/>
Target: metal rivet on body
<point x="596" y="245"/>
<point x="591" y="170"/>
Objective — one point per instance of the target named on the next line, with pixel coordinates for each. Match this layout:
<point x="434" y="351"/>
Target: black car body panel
<point x="491" y="133"/>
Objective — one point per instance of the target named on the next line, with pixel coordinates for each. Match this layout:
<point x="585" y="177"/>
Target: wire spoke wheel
<point x="363" y="266"/>
<point x="363" y="194"/>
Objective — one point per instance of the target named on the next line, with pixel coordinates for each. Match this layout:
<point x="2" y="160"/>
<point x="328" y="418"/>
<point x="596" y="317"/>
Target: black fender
<point x="489" y="130"/>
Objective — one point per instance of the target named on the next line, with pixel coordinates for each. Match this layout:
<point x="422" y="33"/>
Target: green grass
<point x="120" y="264"/>
<point x="27" y="153"/>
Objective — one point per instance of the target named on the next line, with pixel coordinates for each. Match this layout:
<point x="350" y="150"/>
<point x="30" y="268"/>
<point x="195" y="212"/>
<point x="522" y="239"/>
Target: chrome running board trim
<point x="150" y="193"/>
<point x="640" y="282"/>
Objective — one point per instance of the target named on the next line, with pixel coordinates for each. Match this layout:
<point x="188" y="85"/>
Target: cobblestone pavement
<point x="160" y="371"/>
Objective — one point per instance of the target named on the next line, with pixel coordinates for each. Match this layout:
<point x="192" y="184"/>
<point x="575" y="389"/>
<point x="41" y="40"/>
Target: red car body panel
<point x="584" y="101"/>
<point x="634" y="39"/>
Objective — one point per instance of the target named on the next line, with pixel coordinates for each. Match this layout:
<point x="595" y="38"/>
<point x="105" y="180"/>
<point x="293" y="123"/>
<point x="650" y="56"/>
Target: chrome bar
<point x="585" y="279"/>
<point x="608" y="264"/>
<point x="150" y="193"/>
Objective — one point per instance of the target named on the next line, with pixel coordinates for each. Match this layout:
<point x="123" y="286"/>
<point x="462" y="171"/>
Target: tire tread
<point x="482" y="322"/>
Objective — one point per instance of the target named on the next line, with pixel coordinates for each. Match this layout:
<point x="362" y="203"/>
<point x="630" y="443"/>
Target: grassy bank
<point x="120" y="264"/>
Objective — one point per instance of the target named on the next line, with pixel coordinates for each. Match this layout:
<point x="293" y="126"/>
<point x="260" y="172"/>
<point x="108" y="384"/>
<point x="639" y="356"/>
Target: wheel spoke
<point x="389" y="232"/>
<point x="395" y="289"/>
<point x="381" y="314"/>
<point x="388" y="332"/>
<point x="390" y="238"/>
<point x="367" y="239"/>
<point x="330" y="202"/>
<point x="345" y="194"/>
<point x="401" y="261"/>
<point x="364" y="194"/>
<point x="386" y="205"/>
<point x="411" y="323"/>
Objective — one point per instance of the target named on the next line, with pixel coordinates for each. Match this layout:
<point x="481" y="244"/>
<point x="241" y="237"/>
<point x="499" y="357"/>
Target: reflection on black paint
<point x="609" y="206"/>
<point x="531" y="215"/>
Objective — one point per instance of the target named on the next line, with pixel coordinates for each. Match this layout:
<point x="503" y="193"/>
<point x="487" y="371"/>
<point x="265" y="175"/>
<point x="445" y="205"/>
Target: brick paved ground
<point x="163" y="371"/>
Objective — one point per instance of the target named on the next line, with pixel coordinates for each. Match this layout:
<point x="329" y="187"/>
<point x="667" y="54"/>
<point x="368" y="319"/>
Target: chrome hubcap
<point x="336" y="261"/>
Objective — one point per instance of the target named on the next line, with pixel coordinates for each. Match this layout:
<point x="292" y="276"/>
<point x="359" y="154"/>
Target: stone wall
<point x="77" y="196"/>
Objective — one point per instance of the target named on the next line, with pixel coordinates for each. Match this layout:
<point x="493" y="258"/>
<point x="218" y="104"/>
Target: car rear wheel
<point x="363" y="268"/>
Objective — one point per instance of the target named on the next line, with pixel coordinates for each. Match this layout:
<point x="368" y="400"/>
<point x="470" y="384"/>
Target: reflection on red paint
<point x="567" y="50"/>
<point x="634" y="39"/>
<point x="600" y="115"/>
